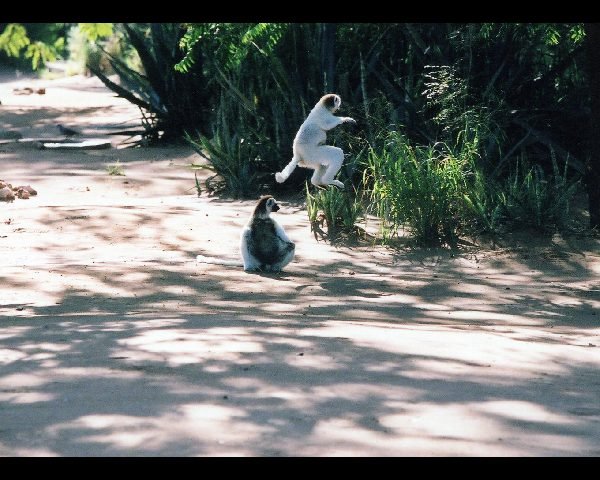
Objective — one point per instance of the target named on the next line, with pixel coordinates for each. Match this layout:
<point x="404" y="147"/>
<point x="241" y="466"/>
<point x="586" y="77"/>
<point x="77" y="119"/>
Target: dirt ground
<point x="115" y="342"/>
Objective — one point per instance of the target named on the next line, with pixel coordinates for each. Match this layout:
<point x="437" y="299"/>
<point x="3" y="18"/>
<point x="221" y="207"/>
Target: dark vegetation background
<point x="463" y="128"/>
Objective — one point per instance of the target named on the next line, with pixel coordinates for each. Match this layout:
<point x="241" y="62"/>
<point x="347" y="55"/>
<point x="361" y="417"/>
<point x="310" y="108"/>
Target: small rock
<point x="6" y="194"/>
<point x="21" y="193"/>
<point x="28" y="189"/>
<point x="22" y="91"/>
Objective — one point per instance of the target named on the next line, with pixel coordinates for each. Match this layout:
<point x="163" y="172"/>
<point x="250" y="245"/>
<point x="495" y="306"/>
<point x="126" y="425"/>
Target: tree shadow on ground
<point x="167" y="358"/>
<point x="113" y="341"/>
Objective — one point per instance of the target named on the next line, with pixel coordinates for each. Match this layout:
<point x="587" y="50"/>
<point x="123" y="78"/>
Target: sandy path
<point x="113" y="341"/>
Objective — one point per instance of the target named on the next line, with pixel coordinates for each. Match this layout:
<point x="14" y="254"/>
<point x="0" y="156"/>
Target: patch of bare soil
<point x="114" y="341"/>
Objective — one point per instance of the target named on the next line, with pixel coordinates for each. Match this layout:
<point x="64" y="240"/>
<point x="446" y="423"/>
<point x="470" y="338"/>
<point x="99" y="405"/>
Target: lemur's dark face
<point x="266" y="204"/>
<point x="332" y="102"/>
<point x="272" y="205"/>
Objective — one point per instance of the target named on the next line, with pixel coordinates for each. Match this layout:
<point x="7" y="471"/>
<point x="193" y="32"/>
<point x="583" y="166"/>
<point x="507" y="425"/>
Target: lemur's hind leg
<point x="317" y="177"/>
<point x="287" y="258"/>
<point x="335" y="159"/>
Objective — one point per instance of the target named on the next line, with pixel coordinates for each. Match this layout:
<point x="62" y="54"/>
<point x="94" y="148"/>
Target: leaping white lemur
<point x="309" y="149"/>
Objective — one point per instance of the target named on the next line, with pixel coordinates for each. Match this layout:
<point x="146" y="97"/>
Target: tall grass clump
<point x="241" y="150"/>
<point x="229" y="156"/>
<point x="336" y="211"/>
<point x="533" y="198"/>
<point x="419" y="188"/>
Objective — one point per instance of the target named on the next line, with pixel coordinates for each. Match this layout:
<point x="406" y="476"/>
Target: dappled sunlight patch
<point x="314" y="361"/>
<point x="179" y="346"/>
<point x="7" y="332"/>
<point x="346" y="437"/>
<point x="6" y="451"/>
<point x="522" y="411"/>
<point x="564" y="301"/>
<point x="179" y="290"/>
<point x="64" y="374"/>
<point x="133" y="278"/>
<point x="485" y="316"/>
<point x="28" y="288"/>
<point x="444" y="369"/>
<point x="22" y="380"/>
<point x="217" y="368"/>
<point x="17" y="397"/>
<point x="486" y="427"/>
<point x="393" y="436"/>
<point x="122" y="431"/>
<point x="51" y="347"/>
<point x="390" y="367"/>
<point x="8" y="355"/>
<point x="432" y="307"/>
<point x="363" y="314"/>
<point x="273" y="395"/>
<point x="49" y="287"/>
<point x="445" y="422"/>
<point x="244" y="385"/>
<point x="122" y="325"/>
<point x="278" y="307"/>
<point x="363" y="392"/>
<point x="458" y="352"/>
<point x="203" y="427"/>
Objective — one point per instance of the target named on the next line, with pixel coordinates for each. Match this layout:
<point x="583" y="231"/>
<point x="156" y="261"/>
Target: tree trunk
<point x="328" y="57"/>
<point x="592" y="176"/>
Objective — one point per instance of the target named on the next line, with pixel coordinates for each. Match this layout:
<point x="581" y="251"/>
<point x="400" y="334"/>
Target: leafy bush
<point x="37" y="43"/>
<point x="229" y="158"/>
<point x="239" y="151"/>
<point x="171" y="102"/>
<point x="420" y="188"/>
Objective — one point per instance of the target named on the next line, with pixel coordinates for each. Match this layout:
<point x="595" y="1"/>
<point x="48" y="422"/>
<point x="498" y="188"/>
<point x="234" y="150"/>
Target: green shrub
<point x="229" y="158"/>
<point x="532" y="198"/>
<point x="420" y="188"/>
<point x="171" y="102"/>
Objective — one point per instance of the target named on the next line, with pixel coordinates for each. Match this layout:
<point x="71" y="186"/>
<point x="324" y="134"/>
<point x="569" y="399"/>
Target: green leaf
<point x="13" y="39"/>
<point x="94" y="31"/>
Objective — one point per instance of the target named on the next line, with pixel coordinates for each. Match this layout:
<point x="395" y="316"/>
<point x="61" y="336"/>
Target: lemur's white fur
<point x="264" y="245"/>
<point x="309" y="149"/>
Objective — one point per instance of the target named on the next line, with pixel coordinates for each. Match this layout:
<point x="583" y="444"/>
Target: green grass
<point x="116" y="169"/>
<point x="533" y="198"/>
<point x="438" y="194"/>
<point x="422" y="189"/>
<point x="335" y="210"/>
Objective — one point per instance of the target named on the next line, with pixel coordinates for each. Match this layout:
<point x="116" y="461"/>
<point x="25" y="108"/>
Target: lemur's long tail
<point x="287" y="171"/>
